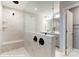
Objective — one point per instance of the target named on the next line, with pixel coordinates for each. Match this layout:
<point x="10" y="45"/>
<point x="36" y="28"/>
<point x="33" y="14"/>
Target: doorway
<point x="69" y="32"/>
<point x="72" y="29"/>
<point x="75" y="12"/>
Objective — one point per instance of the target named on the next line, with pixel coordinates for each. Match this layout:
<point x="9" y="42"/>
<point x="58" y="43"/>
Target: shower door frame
<point x="64" y="10"/>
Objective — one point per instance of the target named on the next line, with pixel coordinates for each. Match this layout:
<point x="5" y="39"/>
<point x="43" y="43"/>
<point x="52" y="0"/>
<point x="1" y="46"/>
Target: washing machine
<point x="40" y="45"/>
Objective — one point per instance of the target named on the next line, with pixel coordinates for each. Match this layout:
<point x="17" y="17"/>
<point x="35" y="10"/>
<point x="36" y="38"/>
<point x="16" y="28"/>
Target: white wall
<point x="18" y="24"/>
<point x="30" y="22"/>
<point x="40" y="23"/>
<point x="13" y="24"/>
<point x="42" y="20"/>
<point x="56" y="7"/>
<point x="0" y="25"/>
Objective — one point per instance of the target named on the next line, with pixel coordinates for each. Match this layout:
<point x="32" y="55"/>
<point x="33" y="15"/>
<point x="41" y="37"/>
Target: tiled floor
<point x="74" y="53"/>
<point x="59" y="53"/>
<point x="21" y="52"/>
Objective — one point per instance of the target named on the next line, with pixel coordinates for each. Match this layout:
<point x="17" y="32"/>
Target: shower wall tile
<point x="14" y="24"/>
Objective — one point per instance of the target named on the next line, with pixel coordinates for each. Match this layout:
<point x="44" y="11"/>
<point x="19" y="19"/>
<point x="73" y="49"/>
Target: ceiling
<point x="31" y="6"/>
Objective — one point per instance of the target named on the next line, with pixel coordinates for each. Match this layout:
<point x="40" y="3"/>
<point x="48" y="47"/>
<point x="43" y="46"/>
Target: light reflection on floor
<point x="21" y="52"/>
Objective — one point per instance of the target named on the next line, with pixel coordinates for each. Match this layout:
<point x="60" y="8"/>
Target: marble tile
<point x="59" y="53"/>
<point x="7" y="46"/>
<point x="73" y="53"/>
<point x="21" y="52"/>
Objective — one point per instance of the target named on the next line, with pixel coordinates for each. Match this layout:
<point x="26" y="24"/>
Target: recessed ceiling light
<point x="36" y="9"/>
<point x="16" y="2"/>
<point x="57" y="16"/>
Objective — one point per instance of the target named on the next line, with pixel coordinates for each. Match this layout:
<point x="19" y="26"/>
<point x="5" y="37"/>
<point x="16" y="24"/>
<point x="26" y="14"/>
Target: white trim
<point x="72" y="6"/>
<point x="12" y="42"/>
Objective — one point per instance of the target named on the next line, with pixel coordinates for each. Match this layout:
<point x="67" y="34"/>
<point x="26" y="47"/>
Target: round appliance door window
<point x="41" y="41"/>
<point x="35" y="38"/>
